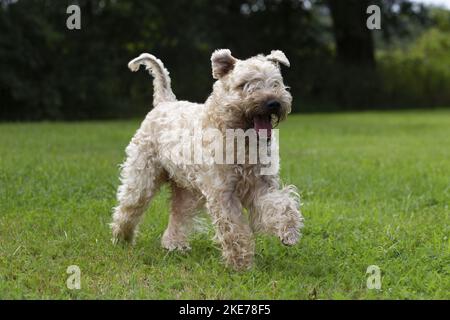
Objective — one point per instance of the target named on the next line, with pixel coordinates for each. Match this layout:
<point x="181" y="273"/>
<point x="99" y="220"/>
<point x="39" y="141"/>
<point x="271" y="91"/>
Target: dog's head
<point x="252" y="90"/>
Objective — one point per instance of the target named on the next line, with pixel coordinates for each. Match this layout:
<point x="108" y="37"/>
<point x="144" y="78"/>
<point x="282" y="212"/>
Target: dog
<point x="247" y="95"/>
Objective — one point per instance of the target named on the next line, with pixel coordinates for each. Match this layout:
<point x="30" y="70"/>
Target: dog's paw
<point x="183" y="247"/>
<point x="121" y="235"/>
<point x="119" y="240"/>
<point x="290" y="236"/>
<point x="172" y="244"/>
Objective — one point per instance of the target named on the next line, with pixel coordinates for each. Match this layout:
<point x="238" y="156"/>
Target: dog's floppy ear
<point x="278" y="57"/>
<point x="222" y="63"/>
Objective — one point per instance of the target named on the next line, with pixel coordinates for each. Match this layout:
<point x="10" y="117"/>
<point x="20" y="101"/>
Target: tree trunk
<point x="354" y="42"/>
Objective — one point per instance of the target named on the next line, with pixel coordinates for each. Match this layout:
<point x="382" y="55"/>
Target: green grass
<point x="375" y="188"/>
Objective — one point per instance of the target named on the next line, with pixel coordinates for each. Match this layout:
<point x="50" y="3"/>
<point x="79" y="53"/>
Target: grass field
<point x="375" y="187"/>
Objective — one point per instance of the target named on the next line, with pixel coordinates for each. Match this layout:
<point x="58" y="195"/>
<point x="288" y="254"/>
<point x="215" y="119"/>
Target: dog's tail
<point x="162" y="90"/>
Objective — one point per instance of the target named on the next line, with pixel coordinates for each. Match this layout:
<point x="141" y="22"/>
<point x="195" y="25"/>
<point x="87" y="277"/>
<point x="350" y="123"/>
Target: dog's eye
<point x="276" y="85"/>
<point x="241" y="86"/>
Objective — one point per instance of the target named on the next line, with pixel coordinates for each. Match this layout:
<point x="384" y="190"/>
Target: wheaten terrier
<point x="248" y="95"/>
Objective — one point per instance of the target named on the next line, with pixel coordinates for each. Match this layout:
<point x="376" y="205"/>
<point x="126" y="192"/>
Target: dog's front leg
<point x="232" y="230"/>
<point x="276" y="211"/>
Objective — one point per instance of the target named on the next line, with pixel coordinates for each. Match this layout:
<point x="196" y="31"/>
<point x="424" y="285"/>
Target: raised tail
<point x="162" y="90"/>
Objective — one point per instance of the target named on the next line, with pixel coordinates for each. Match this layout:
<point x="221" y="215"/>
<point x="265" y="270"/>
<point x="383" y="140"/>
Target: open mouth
<point x="263" y="123"/>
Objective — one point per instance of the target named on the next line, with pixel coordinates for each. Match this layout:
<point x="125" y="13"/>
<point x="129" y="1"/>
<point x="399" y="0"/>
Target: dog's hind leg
<point x="141" y="178"/>
<point x="184" y="206"/>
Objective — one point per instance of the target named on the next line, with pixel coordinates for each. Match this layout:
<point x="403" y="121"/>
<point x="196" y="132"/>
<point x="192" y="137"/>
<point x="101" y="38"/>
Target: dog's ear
<point x="222" y="63"/>
<point x="278" y="57"/>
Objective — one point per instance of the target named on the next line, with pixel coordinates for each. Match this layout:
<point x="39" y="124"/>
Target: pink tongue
<point x="263" y="123"/>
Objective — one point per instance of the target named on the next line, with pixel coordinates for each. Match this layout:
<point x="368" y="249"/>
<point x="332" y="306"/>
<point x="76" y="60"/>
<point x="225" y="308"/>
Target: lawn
<point x="375" y="188"/>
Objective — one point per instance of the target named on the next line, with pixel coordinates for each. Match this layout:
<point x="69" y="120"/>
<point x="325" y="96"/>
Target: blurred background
<point x="48" y="72"/>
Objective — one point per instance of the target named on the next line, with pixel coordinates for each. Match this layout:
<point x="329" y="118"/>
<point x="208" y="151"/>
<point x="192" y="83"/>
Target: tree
<point x="354" y="42"/>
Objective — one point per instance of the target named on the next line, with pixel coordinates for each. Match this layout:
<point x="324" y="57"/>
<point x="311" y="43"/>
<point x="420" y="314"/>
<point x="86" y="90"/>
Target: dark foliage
<point x="50" y="72"/>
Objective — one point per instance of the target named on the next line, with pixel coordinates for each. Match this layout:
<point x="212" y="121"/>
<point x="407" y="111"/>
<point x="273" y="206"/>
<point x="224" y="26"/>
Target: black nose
<point x="273" y="105"/>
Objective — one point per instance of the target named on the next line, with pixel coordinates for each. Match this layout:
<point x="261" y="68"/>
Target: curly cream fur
<point x="154" y="157"/>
